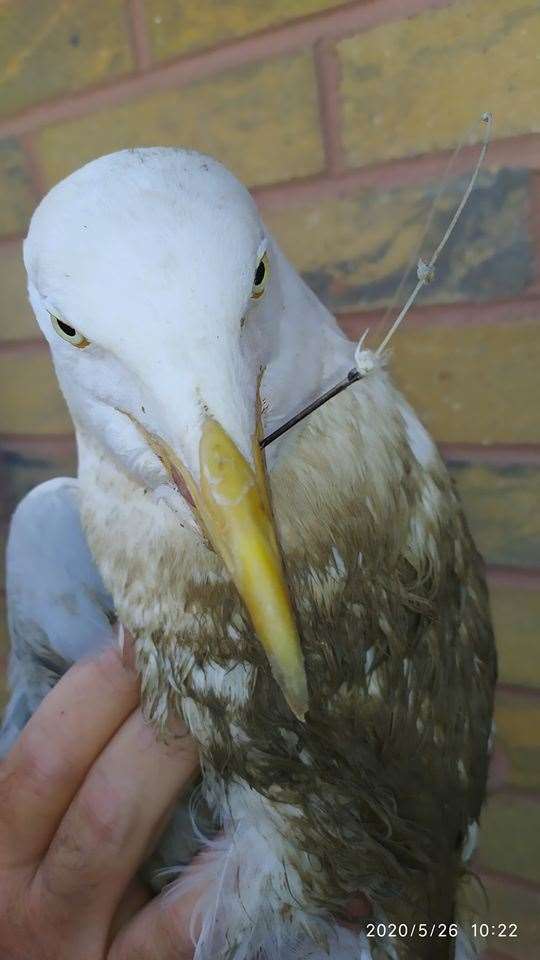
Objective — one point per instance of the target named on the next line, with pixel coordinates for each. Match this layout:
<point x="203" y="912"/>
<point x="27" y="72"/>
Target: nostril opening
<point x="181" y="486"/>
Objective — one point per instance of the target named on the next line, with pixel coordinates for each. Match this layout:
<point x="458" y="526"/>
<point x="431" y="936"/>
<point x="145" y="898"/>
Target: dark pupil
<point x="65" y="328"/>
<point x="259" y="275"/>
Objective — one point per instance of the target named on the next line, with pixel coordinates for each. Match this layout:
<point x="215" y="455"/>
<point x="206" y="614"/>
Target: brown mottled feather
<point x="390" y="766"/>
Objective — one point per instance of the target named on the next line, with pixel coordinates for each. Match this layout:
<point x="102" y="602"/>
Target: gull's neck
<point x="313" y="355"/>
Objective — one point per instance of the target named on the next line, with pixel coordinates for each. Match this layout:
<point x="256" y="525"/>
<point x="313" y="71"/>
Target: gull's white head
<point x="173" y="320"/>
<point x="151" y="256"/>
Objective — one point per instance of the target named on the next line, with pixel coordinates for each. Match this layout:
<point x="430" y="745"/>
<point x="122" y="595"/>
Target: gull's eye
<point x="68" y="333"/>
<point x="260" y="279"/>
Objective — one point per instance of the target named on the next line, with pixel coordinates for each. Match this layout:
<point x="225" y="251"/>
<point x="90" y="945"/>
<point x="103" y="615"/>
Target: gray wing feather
<point x="58" y="612"/>
<point x="58" y="608"/>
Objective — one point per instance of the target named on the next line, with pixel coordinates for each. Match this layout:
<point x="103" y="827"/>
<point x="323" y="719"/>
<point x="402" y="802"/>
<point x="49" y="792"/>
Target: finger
<point x="160" y="931"/>
<point x="109" y="827"/>
<point x="166" y="929"/>
<point x="43" y="771"/>
<point x="137" y="895"/>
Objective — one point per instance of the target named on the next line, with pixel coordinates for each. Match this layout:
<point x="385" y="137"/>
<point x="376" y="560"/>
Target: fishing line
<point x="425" y="272"/>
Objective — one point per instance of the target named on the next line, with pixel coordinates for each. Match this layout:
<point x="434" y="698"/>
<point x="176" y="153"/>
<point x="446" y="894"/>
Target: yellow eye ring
<point x="68" y="333"/>
<point x="260" y="280"/>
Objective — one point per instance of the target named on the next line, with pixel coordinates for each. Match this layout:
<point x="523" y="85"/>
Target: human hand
<point x="84" y="794"/>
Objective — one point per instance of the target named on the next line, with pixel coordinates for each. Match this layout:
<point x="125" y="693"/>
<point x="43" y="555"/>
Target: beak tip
<point x="297" y="700"/>
<point x="234" y="506"/>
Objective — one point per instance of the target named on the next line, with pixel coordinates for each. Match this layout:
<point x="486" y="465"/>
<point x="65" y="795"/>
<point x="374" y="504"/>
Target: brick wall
<point x="341" y="118"/>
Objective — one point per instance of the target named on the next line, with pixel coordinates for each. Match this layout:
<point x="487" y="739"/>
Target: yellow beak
<point x="232" y="502"/>
<point x="234" y="507"/>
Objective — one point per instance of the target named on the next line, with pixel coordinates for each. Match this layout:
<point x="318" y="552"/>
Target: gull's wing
<point x="58" y="608"/>
<point x="59" y="611"/>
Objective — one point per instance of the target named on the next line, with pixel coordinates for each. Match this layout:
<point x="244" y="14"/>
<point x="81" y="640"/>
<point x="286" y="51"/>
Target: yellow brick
<point x="510" y="837"/>
<point x="502" y="505"/>
<point x="354" y="251"/>
<point x="260" y="120"/>
<point x="16" y="318"/>
<point x="177" y="27"/>
<point x="30" y="399"/>
<point x="18" y="200"/>
<point x="53" y="47"/>
<point x="477" y="384"/>
<point x="3" y="687"/>
<point x="518" y="732"/>
<point x="417" y="84"/>
<point x="516" y="614"/>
